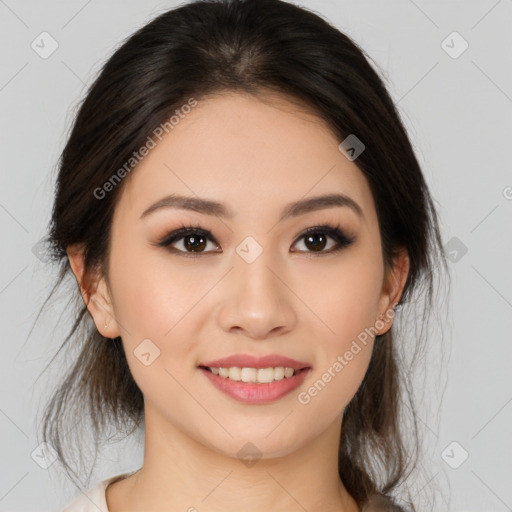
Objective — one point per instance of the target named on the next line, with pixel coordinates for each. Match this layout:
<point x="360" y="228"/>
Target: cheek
<point x="333" y="386"/>
<point x="154" y="293"/>
<point x="343" y="355"/>
<point x="154" y="304"/>
<point x="345" y="297"/>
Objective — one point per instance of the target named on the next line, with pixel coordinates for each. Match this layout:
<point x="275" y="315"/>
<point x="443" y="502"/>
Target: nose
<point x="256" y="300"/>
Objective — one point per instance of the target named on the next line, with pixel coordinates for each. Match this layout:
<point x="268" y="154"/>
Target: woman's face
<point x="249" y="282"/>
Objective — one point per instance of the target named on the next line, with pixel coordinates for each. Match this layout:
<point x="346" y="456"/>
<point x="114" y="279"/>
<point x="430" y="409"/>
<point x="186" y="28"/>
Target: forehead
<point x="254" y="154"/>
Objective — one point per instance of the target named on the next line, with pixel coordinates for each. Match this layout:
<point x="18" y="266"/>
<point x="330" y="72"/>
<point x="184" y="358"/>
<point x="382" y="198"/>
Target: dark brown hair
<point x="203" y="48"/>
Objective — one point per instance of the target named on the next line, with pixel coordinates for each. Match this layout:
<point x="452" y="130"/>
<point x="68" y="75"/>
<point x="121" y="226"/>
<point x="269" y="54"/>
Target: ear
<point x="95" y="292"/>
<point x="392" y="288"/>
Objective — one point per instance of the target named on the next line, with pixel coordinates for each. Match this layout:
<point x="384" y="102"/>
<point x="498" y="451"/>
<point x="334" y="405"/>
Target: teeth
<point x="279" y="373"/>
<point x="258" y="375"/>
<point x="234" y="373"/>
<point x="248" y="374"/>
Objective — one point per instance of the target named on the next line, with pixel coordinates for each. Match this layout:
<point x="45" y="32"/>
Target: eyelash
<point x="331" y="231"/>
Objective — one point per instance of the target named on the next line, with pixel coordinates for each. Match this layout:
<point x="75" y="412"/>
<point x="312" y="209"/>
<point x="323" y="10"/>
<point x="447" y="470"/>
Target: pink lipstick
<point x="256" y="379"/>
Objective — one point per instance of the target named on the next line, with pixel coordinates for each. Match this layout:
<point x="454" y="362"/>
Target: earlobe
<point x="95" y="293"/>
<point x="101" y="309"/>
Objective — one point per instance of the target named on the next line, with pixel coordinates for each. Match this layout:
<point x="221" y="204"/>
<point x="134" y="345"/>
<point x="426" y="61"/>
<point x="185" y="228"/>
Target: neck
<point x="180" y="473"/>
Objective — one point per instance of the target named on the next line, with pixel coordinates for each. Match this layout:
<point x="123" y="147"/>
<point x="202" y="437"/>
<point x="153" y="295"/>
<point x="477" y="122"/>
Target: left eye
<point x="195" y="240"/>
<point x="316" y="239"/>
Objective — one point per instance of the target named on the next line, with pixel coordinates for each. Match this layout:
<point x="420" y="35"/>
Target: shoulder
<point x="381" y="503"/>
<point x="93" y="500"/>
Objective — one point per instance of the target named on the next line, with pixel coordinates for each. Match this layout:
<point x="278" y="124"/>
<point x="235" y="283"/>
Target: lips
<point x="250" y="361"/>
<point x="256" y="392"/>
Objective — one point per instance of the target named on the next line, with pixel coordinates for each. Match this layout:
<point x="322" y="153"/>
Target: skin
<point x="255" y="157"/>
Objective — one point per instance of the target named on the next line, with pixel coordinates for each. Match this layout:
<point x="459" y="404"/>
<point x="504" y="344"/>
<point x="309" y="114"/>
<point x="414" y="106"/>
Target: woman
<point x="244" y="215"/>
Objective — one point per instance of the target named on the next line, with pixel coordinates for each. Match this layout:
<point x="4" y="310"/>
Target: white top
<point x="94" y="499"/>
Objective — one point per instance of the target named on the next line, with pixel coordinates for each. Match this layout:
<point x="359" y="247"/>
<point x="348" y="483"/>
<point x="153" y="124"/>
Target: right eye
<point x="193" y="240"/>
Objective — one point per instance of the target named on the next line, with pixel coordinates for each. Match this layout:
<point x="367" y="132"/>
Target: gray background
<point x="458" y="110"/>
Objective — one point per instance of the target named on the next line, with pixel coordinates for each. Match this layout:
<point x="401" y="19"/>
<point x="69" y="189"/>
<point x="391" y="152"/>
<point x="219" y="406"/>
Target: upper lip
<point x="249" y="361"/>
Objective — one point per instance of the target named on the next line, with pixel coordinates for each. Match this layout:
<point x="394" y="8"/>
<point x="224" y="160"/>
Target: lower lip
<point x="253" y="393"/>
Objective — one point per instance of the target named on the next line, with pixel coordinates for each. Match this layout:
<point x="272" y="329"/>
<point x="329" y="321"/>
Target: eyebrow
<point x="209" y="207"/>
